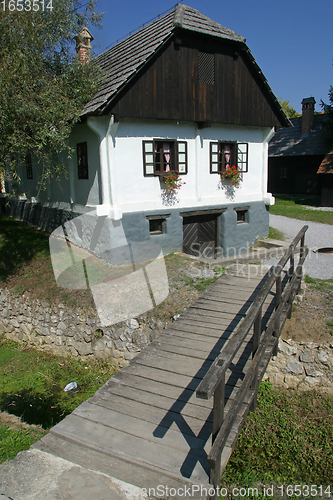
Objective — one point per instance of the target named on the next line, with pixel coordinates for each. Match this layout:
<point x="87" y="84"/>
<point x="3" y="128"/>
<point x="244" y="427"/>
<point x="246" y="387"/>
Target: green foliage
<point x="12" y="441"/>
<point x="289" y="439"/>
<point x="36" y="394"/>
<point x="328" y="110"/>
<point x="293" y="207"/>
<point x="289" y="110"/>
<point x="43" y="86"/>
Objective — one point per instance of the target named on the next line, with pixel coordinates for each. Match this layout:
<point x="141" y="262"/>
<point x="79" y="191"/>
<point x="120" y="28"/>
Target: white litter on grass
<point x="71" y="386"/>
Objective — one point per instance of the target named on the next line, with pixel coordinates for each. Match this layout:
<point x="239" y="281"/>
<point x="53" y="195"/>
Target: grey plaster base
<point x="234" y="238"/>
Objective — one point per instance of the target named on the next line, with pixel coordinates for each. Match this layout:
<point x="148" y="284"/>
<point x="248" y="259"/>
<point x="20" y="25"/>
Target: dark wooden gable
<point x="168" y="87"/>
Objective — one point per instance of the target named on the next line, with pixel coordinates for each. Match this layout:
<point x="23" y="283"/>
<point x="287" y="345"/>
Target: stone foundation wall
<point x="302" y="365"/>
<point x="66" y="330"/>
<point x="62" y="329"/>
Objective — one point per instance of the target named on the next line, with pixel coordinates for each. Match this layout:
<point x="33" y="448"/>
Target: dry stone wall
<point x="302" y="365"/>
<point x="67" y="330"/>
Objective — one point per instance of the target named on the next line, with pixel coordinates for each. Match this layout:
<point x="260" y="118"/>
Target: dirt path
<point x="312" y="318"/>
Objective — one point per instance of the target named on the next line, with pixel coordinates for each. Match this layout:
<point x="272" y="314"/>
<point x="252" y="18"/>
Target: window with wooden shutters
<point x="182" y="157"/>
<point x="82" y="161"/>
<point x="161" y="156"/>
<point x="226" y="154"/>
<point x="242" y="157"/>
<point x="28" y="164"/>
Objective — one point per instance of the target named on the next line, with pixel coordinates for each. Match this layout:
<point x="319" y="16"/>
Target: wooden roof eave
<point x="275" y="105"/>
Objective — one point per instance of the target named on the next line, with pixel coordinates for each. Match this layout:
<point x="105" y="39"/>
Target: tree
<point x="289" y="110"/>
<point x="328" y="110"/>
<point x="43" y="85"/>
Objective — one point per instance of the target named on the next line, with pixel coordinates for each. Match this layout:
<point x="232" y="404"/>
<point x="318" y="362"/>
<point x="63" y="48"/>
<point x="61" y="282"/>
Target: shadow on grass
<point x="311" y="201"/>
<point x="19" y="244"/>
<point x="34" y="408"/>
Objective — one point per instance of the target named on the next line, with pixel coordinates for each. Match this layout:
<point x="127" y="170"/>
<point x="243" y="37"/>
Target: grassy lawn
<point x="275" y="234"/>
<point x="288" y="440"/>
<point x="32" y="387"/>
<point x="14" y="440"/>
<point x="293" y="207"/>
<point x="36" y="394"/>
<point x="322" y="285"/>
<point x="25" y="261"/>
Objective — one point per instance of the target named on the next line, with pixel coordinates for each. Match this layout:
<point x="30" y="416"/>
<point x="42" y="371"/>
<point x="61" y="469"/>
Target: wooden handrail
<point x="209" y="383"/>
<point x="263" y="342"/>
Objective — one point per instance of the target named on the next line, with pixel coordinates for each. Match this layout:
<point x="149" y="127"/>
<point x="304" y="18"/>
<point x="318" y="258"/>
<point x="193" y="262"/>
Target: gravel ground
<point x="317" y="236"/>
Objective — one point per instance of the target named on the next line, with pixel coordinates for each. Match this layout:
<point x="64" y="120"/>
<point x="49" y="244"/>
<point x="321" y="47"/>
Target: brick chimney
<point x="83" y="47"/>
<point x="308" y="105"/>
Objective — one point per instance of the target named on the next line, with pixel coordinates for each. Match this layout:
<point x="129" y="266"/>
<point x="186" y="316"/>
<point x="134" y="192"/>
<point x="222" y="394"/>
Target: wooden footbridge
<point x="153" y="423"/>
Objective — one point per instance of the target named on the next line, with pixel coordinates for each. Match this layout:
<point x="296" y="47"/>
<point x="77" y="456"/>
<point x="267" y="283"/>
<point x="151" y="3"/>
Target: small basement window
<point x="242" y="215"/>
<point x="157" y="224"/>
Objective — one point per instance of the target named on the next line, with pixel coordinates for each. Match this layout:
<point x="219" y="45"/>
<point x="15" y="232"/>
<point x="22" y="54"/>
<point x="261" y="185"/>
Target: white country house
<point x="185" y="94"/>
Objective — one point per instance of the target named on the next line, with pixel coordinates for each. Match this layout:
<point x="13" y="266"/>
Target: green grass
<point x="292" y="207"/>
<point x="25" y="261"/>
<point x="321" y="285"/>
<point x="288" y="440"/>
<point x="19" y="244"/>
<point x="199" y="283"/>
<point x="14" y="440"/>
<point x="32" y="383"/>
<point x="275" y="234"/>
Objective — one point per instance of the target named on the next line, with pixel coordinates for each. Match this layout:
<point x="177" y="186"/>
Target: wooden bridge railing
<point x="264" y="346"/>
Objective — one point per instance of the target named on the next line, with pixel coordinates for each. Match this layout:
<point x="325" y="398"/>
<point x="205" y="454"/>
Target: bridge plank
<point x="136" y="426"/>
<point x="154" y="413"/>
<point x="132" y="448"/>
<point x="188" y="407"/>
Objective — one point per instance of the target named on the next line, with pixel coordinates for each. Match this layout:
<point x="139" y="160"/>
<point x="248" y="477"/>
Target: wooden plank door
<point x="200" y="235"/>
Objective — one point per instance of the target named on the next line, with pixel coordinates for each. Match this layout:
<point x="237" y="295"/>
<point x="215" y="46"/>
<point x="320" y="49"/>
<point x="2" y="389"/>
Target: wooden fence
<point x="265" y="343"/>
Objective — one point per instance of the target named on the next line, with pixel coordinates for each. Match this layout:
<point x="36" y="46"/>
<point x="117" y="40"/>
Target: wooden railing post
<point x="290" y="273"/>
<point x="301" y="253"/>
<point x="218" y="407"/>
<point x="292" y="264"/>
<point x="302" y="247"/>
<point x="255" y="345"/>
<point x="218" y="417"/>
<point x="277" y="303"/>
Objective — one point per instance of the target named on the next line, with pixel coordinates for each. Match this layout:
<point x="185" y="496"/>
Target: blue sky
<point x="291" y="40"/>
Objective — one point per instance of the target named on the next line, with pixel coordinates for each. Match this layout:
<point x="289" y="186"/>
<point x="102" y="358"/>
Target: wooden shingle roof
<point x="121" y="62"/>
<point x="290" y="142"/>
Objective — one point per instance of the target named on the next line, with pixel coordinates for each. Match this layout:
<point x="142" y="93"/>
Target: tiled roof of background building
<point x="289" y="141"/>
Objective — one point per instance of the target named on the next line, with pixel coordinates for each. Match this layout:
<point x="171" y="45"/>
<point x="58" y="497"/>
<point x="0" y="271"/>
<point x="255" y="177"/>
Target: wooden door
<point x="200" y="235"/>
